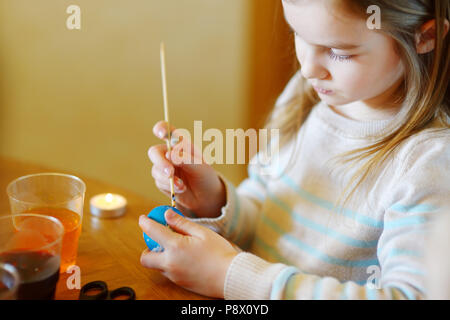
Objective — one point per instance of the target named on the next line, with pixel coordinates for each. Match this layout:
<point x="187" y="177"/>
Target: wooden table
<point x="109" y="249"/>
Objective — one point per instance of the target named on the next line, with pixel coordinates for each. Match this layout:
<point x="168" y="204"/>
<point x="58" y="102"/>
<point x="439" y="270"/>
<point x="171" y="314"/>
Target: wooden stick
<point x="166" y="113"/>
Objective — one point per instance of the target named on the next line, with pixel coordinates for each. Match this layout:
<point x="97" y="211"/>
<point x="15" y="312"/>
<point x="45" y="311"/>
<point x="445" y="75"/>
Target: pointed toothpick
<point x="166" y="113"/>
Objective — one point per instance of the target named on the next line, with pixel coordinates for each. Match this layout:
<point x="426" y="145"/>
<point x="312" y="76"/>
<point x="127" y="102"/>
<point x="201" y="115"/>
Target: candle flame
<point x="109" y="197"/>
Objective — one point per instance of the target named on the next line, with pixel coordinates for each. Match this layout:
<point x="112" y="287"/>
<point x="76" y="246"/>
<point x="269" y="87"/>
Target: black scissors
<point x="104" y="293"/>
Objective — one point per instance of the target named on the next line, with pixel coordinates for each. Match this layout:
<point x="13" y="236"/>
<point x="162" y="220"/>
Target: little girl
<point x="312" y="227"/>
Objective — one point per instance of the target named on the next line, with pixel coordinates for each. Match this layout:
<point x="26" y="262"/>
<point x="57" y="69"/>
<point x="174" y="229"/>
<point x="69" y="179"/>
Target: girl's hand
<point x="197" y="185"/>
<point x="194" y="257"/>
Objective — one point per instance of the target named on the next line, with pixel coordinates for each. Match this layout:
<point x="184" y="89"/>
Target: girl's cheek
<point x="352" y="78"/>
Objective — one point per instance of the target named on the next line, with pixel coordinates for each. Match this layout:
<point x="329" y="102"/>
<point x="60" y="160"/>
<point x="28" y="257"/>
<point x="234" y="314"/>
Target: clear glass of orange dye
<point x="52" y="194"/>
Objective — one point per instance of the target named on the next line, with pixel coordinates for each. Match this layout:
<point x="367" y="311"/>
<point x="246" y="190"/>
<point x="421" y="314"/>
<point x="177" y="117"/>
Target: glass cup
<point x="32" y="244"/>
<point x="53" y="194"/>
<point x="9" y="281"/>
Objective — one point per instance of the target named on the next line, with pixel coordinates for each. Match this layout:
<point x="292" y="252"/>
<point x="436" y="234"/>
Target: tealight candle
<point x="108" y="205"/>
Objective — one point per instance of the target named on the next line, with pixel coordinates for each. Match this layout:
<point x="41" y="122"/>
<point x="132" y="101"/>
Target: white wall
<point x="86" y="100"/>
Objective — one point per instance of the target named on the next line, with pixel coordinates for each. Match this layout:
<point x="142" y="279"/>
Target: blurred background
<point x="85" y="101"/>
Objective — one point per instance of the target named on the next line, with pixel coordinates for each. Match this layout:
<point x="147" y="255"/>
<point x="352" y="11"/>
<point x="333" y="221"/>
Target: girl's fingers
<point x="160" y="129"/>
<point x="183" y="150"/>
<point x="182" y="225"/>
<point x="160" y="173"/>
<point x="152" y="260"/>
<point x="164" y="185"/>
<point x="157" y="155"/>
<point x="158" y="232"/>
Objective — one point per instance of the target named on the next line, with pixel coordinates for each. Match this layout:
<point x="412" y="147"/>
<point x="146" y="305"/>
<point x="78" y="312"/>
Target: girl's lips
<point x="323" y="91"/>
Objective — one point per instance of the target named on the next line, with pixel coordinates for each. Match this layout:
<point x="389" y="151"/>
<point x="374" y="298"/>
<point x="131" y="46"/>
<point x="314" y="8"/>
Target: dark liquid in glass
<point x="38" y="271"/>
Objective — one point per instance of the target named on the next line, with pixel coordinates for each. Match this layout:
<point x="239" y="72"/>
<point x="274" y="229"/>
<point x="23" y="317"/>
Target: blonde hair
<point x="424" y="89"/>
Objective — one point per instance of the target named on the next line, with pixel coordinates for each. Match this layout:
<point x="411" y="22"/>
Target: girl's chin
<point x="331" y="98"/>
<point x="335" y="100"/>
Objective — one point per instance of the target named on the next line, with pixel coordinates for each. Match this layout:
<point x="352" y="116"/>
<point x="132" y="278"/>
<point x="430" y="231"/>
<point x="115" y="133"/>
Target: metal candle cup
<point x="108" y="205"/>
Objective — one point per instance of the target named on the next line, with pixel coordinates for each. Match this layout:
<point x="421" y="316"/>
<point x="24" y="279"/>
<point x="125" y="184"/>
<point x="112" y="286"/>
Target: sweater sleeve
<point x="239" y="215"/>
<point x="252" y="278"/>
<point x="416" y="195"/>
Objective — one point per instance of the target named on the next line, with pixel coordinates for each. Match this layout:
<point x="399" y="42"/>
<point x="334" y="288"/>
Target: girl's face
<point x="341" y="57"/>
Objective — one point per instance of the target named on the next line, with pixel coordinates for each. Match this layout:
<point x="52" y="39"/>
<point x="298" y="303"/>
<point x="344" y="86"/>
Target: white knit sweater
<point x="297" y="247"/>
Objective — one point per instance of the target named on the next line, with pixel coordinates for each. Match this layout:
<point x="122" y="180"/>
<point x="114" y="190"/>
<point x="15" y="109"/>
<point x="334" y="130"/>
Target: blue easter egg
<point x="157" y="214"/>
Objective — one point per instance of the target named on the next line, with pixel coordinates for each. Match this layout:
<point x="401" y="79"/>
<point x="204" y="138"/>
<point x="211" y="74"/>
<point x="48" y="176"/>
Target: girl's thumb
<point x="180" y="224"/>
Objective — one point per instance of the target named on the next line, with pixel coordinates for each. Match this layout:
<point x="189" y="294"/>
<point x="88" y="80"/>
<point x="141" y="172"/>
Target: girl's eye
<point x="338" y="57"/>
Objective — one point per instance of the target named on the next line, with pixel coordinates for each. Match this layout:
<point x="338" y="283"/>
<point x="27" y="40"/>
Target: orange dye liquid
<point x="72" y="229"/>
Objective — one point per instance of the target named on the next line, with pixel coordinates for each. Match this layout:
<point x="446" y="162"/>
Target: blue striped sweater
<point x="295" y="246"/>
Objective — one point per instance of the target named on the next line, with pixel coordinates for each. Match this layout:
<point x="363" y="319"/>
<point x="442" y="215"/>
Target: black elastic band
<point x="102" y="295"/>
<point x="123" y="291"/>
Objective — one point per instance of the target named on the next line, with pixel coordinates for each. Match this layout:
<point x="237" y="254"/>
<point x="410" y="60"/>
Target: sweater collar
<point x="352" y="128"/>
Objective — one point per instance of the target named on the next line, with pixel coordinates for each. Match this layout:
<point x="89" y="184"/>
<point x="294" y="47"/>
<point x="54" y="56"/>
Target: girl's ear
<point x="425" y="37"/>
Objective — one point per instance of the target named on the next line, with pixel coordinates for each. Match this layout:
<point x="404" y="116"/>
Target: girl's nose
<point x="312" y="69"/>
